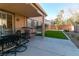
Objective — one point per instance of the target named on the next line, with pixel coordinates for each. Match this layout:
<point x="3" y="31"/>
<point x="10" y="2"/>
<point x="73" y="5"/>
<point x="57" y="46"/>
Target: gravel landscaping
<point x="74" y="36"/>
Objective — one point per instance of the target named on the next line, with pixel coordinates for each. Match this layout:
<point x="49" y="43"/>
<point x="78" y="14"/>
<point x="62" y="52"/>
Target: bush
<point x="77" y="37"/>
<point x="66" y="30"/>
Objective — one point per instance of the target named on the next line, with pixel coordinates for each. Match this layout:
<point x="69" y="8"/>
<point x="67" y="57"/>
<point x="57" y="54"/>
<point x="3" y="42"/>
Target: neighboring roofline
<point x="40" y="8"/>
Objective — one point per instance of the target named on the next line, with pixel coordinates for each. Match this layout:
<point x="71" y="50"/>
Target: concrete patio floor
<point x="39" y="46"/>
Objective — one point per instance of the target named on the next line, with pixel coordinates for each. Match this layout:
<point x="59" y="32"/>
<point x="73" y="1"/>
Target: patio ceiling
<point x="25" y="9"/>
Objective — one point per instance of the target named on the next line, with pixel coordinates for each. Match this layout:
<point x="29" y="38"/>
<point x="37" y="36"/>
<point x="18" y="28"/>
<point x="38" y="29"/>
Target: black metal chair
<point x="25" y="36"/>
<point x="8" y="44"/>
<point x="20" y="43"/>
<point x="13" y="43"/>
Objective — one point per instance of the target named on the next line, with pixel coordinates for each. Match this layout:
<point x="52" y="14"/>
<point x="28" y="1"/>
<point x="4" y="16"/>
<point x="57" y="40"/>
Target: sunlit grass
<point x="55" y="34"/>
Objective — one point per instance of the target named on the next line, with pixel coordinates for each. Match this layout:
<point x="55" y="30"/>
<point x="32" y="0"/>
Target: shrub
<point x="66" y="30"/>
<point x="77" y="37"/>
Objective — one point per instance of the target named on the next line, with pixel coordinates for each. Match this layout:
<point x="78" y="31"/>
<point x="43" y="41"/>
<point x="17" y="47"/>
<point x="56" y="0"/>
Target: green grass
<point x="55" y="34"/>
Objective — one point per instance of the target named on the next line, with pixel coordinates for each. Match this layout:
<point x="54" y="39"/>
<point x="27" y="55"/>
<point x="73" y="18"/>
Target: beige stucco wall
<point x="20" y="21"/>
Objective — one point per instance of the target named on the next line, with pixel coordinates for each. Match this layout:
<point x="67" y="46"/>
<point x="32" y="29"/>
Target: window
<point x="9" y="16"/>
<point x="29" y="23"/>
<point x="5" y="20"/>
<point x="3" y="16"/>
<point x="0" y="15"/>
<point x="9" y="21"/>
<point x="35" y="23"/>
<point x="39" y="23"/>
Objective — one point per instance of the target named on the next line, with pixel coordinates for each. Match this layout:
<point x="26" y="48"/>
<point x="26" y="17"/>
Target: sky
<point x="52" y="9"/>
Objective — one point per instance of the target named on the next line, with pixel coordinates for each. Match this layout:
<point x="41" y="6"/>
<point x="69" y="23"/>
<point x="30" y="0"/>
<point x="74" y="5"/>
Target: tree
<point x="75" y="18"/>
<point x="70" y="21"/>
<point x="59" y="20"/>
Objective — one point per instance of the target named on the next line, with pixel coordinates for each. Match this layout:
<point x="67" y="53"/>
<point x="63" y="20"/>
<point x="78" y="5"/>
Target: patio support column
<point x="43" y="27"/>
<point x="14" y="23"/>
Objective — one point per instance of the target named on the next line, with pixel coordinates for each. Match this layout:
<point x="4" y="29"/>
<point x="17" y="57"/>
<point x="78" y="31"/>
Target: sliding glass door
<point x="5" y="22"/>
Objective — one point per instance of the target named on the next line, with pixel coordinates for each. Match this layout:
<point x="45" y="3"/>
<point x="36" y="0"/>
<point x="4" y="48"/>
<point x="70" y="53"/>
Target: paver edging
<point x="66" y="35"/>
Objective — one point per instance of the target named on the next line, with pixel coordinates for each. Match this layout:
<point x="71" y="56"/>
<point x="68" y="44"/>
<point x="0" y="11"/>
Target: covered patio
<point x="13" y="25"/>
<point x="19" y="13"/>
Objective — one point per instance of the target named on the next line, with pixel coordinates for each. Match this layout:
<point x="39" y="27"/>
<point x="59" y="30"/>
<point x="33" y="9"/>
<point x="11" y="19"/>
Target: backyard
<point x="55" y="34"/>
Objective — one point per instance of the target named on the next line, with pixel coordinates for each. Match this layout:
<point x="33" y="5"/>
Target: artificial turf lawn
<point x="55" y="34"/>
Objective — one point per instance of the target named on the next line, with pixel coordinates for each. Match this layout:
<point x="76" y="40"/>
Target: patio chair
<point x="8" y="44"/>
<point x="25" y="36"/>
<point x="26" y="33"/>
<point x="20" y="43"/>
<point x="11" y="44"/>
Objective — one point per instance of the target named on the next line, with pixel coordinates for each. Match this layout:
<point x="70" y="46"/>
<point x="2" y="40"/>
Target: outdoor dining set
<point x="14" y="42"/>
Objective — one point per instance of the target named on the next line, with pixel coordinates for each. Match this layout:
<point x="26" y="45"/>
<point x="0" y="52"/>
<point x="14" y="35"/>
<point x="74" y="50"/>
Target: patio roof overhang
<point x="25" y="9"/>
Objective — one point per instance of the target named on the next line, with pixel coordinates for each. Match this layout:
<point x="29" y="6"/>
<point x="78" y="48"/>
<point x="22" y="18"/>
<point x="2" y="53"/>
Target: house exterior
<point x="76" y="27"/>
<point x="14" y="16"/>
<point x="36" y="22"/>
